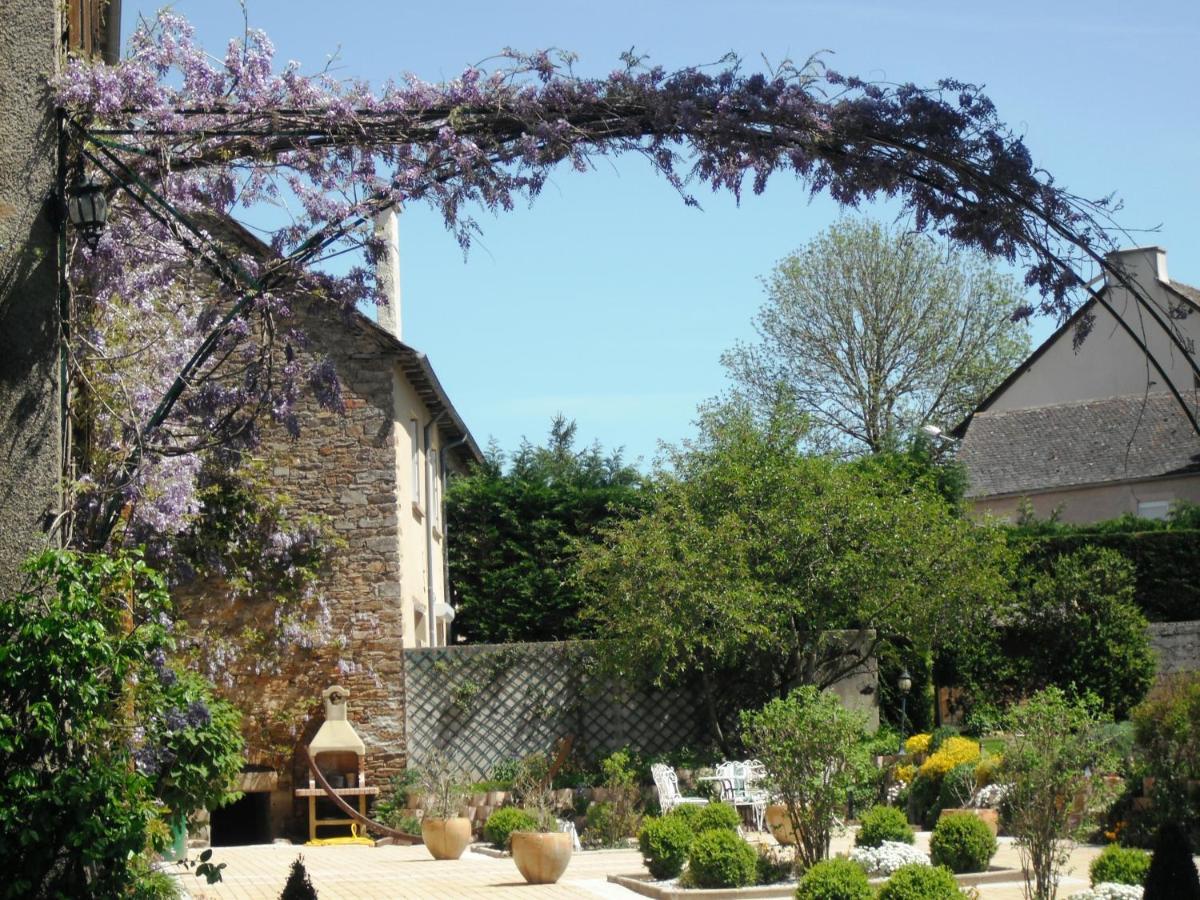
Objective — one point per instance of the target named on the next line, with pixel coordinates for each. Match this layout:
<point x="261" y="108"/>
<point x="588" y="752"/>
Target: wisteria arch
<point x="182" y="140"/>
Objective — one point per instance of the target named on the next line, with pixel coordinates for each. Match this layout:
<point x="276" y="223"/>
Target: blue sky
<point x="611" y="302"/>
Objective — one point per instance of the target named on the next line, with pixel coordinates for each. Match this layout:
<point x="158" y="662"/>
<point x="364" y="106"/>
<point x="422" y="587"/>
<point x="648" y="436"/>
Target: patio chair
<point x="667" y="783"/>
<point x="737" y="780"/>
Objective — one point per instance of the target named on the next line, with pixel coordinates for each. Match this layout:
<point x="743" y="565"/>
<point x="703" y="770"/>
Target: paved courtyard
<point x="408" y="873"/>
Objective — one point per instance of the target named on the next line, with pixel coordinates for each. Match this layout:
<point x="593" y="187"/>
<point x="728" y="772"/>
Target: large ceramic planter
<point x="541" y="857"/>
<point x="989" y="817"/>
<point x="780" y="824"/>
<point x="446" y="838"/>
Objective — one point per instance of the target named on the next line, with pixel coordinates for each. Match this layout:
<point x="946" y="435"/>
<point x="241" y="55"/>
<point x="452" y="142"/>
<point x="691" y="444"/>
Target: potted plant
<point x="541" y="854"/>
<point x="445" y="831"/>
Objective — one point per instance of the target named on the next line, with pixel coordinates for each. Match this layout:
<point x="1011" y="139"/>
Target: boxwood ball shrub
<point x="715" y="816"/>
<point x="883" y="823"/>
<point x="687" y="813"/>
<point x="503" y="822"/>
<point x="921" y="883"/>
<point x="665" y="844"/>
<point x="962" y="843"/>
<point x="835" y="879"/>
<point x="1120" y="865"/>
<point x="719" y="858"/>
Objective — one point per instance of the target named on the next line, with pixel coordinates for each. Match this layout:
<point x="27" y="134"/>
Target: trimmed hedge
<point x="1119" y="865"/>
<point x="503" y="822"/>
<point x="1167" y="565"/>
<point x="665" y="844"/>
<point x="883" y="823"/>
<point x="719" y="858"/>
<point x="720" y="816"/>
<point x="835" y="879"/>
<point x="962" y="843"/>
<point x="918" y="882"/>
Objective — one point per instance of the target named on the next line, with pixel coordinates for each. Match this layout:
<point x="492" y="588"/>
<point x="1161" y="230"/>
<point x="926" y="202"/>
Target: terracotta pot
<point x="989" y="817"/>
<point x="780" y="825"/>
<point x="446" y="838"/>
<point x="541" y="857"/>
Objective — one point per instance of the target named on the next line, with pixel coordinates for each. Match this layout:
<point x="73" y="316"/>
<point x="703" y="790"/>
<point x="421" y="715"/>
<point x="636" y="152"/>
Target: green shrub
<point x="772" y="866"/>
<point x="719" y="858"/>
<point x="835" y="879"/>
<point x="962" y="843"/>
<point x="918" y="882"/>
<point x="716" y="816"/>
<point x="1172" y="874"/>
<point x="883" y="823"/>
<point x="1120" y="865"/>
<point x="665" y="844"/>
<point x="687" y="814"/>
<point x="1167" y="729"/>
<point x="958" y="786"/>
<point x="503" y="822"/>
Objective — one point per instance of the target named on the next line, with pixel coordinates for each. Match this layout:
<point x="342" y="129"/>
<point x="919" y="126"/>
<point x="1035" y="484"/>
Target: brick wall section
<point x="1177" y="646"/>
<point x="343" y="467"/>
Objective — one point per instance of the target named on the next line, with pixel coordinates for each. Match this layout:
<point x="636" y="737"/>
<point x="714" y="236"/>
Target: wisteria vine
<point x="188" y="144"/>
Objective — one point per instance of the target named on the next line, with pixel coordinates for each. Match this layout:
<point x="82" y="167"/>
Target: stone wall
<point x="342" y="467"/>
<point x="30" y="429"/>
<point x="1176" y="645"/>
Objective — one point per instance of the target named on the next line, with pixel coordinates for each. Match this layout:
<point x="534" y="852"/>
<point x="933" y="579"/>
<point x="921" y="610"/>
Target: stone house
<point x="375" y="474"/>
<point x="1091" y="431"/>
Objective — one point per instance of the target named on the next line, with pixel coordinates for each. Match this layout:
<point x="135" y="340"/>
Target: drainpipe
<point x="446" y="525"/>
<point x="429" y="588"/>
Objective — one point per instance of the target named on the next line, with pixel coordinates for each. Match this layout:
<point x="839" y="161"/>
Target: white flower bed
<point x="989" y="796"/>
<point x="1110" y="891"/>
<point x="888" y="857"/>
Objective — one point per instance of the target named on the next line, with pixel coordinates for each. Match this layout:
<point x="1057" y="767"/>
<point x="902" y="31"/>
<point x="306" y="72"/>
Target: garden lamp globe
<point x="87" y="208"/>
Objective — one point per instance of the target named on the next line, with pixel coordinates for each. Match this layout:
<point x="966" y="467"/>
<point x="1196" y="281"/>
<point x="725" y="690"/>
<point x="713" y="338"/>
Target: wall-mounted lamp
<point x="87" y="208"/>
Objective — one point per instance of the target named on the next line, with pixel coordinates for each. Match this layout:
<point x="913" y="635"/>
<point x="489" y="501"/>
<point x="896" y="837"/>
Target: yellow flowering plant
<point x="954" y="751"/>
<point x="918" y="743"/>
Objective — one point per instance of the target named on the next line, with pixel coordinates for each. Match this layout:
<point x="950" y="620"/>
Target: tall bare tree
<point x="874" y="331"/>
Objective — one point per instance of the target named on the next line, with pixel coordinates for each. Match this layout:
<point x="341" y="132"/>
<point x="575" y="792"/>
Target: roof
<point x="415" y="366"/>
<point x="1052" y="447"/>
<point x="1183" y="291"/>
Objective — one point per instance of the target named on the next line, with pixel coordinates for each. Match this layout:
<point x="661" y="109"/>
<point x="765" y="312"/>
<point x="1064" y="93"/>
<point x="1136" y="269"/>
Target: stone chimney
<point x="1145" y="265"/>
<point x="388" y="273"/>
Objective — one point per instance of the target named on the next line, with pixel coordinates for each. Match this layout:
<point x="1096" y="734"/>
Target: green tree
<point x="807" y="741"/>
<point x="516" y="535"/>
<point x="96" y="732"/>
<point x="874" y="331"/>
<point x="753" y="552"/>
<point x="1071" y="622"/>
<point x="1047" y="762"/>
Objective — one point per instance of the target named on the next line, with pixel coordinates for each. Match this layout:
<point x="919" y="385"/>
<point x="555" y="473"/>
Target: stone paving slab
<point x="408" y="873"/>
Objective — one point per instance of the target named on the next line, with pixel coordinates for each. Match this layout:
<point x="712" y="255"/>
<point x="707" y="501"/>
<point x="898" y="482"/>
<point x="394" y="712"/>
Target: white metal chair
<point x="667" y="784"/>
<point x="737" y="780"/>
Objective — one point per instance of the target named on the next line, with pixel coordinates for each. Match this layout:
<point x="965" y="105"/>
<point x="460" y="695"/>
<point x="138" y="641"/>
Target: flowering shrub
<point x="1110" y="891"/>
<point x="987" y="770"/>
<point x="888" y="857"/>
<point x="989" y="797"/>
<point x="954" y="751"/>
<point x="904" y="773"/>
<point x="918" y="743"/>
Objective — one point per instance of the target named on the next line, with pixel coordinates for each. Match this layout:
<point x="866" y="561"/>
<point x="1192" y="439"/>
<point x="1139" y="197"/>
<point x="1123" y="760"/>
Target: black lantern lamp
<point x="904" y="683"/>
<point x="87" y="208"/>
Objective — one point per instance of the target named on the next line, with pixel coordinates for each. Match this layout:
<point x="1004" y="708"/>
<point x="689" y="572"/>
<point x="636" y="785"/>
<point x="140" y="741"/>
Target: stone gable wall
<point x="1176" y="645"/>
<point x="342" y="467"/>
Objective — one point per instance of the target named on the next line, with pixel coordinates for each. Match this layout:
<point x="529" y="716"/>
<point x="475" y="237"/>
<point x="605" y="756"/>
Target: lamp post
<point x="904" y="683"/>
<point x="87" y="208"/>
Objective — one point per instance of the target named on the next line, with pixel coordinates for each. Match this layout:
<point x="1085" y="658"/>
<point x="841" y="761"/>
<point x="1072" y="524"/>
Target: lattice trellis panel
<point x="488" y="703"/>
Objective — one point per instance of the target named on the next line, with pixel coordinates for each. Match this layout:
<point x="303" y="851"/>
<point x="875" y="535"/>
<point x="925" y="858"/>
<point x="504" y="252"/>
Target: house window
<point x="1153" y="509"/>
<point x="414" y="429"/>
